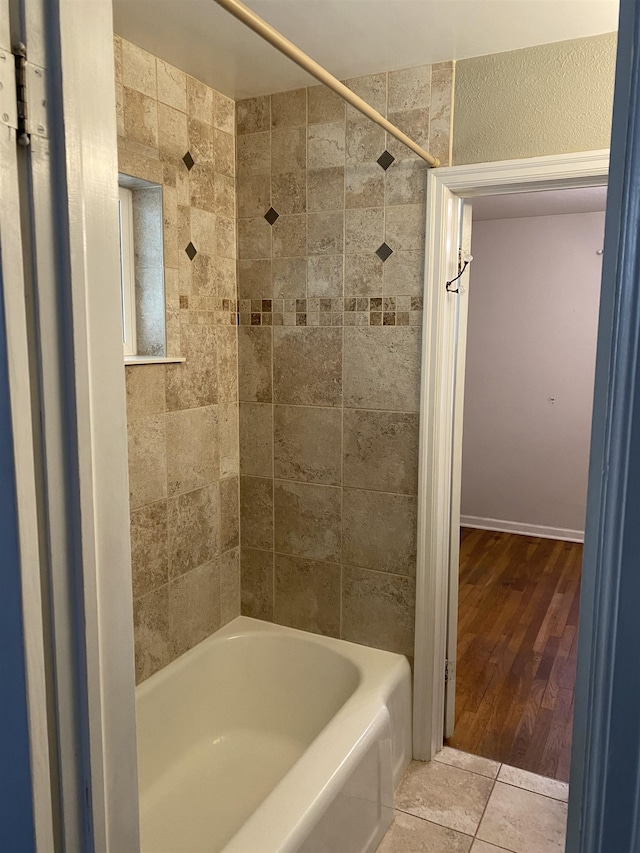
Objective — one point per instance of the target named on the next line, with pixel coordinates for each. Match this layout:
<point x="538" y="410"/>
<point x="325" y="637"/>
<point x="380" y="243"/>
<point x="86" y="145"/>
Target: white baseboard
<point x="501" y="526"/>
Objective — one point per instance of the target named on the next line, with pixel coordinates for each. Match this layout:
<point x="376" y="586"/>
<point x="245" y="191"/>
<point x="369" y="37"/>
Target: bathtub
<point x="264" y="739"/>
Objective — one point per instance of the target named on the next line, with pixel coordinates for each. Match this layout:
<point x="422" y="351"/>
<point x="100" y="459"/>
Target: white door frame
<point x="440" y="429"/>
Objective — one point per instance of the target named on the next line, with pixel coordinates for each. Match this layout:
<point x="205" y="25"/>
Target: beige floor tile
<point x="409" y="834"/>
<point x="484" y="847"/>
<point x="446" y="795"/>
<point x="533" y="782"/>
<point x="466" y="761"/>
<point x="523" y="822"/>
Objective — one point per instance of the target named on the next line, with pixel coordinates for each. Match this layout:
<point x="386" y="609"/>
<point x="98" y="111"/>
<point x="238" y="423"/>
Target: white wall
<point x="533" y="310"/>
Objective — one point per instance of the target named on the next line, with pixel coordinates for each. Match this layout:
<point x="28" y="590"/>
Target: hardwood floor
<point x="518" y="620"/>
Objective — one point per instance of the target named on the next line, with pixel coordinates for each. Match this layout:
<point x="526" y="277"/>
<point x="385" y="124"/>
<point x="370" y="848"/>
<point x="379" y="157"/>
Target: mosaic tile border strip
<point x="318" y="311"/>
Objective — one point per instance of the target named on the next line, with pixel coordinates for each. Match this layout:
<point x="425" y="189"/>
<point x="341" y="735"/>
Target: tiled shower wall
<point x="183" y="418"/>
<point x="330" y="278"/>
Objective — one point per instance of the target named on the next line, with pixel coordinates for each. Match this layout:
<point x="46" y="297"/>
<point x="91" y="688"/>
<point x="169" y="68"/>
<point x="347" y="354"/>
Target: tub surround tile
<point x="381" y="450"/>
<point x="227" y="356"/>
<point x="254" y="279"/>
<point x="382" y="369"/>
<point x="325" y="276"/>
<point x="147" y="460"/>
<point x="523" y="822"/>
<point x="289" y="109"/>
<point x="409" y="88"/>
<point x="145" y="386"/>
<point x="404" y="227"/>
<point x="325" y="189"/>
<point x="403" y="274"/>
<point x="256" y="439"/>
<point x="253" y="115"/>
<point x="138" y="69"/>
<point x="289" y="193"/>
<point x="326" y="233"/>
<point x="409" y="834"/>
<point x="415" y="123"/>
<point x="467" y="761"/>
<point x="445" y="795"/>
<point x="194" y="383"/>
<point x="307" y="595"/>
<point x="365" y="185"/>
<point x="534" y="783"/>
<point x="307" y="442"/>
<point x="149" y="553"/>
<point x="194" y="529"/>
<point x="308" y="520"/>
<point x="172" y="85"/>
<point x="254" y="356"/>
<point x="378" y="610"/>
<point x="364" y="230"/>
<point x="140" y="118"/>
<point x="326" y="145"/>
<point x="256" y="512"/>
<point x="324" y="105"/>
<point x="193" y="452"/>
<point x="257" y="583"/>
<point x="373" y="89"/>
<point x="363" y="275"/>
<point x="307" y="366"/>
<point x="229" y="513"/>
<point x="151" y="632"/>
<point x="228" y="439"/>
<point x="288" y="150"/>
<point x="379" y="531"/>
<point x="194" y="607"/>
<point x="230" y="585"/>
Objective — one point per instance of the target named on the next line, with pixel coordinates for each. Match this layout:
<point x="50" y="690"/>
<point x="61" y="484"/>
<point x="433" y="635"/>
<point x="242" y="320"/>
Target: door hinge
<point x="23" y="95"/>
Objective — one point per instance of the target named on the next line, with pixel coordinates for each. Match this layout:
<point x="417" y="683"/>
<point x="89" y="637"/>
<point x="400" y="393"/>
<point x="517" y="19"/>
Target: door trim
<point x="438" y="424"/>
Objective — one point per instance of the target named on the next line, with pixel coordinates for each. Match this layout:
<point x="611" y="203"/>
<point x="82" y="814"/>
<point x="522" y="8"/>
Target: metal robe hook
<point x="463" y="264"/>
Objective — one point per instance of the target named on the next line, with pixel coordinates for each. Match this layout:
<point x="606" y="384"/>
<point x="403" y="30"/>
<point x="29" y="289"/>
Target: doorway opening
<point x="534" y="290"/>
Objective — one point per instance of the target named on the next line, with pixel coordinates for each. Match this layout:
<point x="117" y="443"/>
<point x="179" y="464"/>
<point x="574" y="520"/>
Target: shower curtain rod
<point x="267" y="32"/>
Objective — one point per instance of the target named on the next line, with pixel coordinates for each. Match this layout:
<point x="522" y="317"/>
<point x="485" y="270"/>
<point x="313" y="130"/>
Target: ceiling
<point x="348" y="37"/>
<point x="547" y="203"/>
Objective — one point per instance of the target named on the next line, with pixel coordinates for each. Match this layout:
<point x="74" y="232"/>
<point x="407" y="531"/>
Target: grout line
<point x="486" y="805"/>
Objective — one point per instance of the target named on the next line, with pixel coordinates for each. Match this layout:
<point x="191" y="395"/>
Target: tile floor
<point x="461" y="803"/>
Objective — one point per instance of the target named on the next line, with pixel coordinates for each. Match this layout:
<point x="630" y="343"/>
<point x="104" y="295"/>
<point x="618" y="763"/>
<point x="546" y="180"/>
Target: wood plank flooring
<point x="517" y="630"/>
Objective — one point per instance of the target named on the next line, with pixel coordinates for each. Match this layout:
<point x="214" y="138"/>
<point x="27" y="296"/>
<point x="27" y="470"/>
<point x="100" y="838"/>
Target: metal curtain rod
<point x="267" y="32"/>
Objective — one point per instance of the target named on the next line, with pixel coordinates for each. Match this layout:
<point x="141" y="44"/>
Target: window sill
<point x="152" y="359"/>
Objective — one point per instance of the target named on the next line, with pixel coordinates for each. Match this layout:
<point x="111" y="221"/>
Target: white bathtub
<point x="265" y="739"/>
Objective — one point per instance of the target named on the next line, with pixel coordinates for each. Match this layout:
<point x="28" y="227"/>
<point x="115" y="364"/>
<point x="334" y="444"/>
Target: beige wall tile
<point x="364" y="230"/>
<point x="228" y="420"/>
<point x="289" y="192"/>
<point x="117" y="58"/>
<point x="365" y="142"/>
<point x="441" y="115"/>
<point x="254" y="355"/>
<point x="226" y="244"/>
<point x="415" y="123"/>
<point x="256" y="439"/>
<point x="289" y="109"/>
<point x="256" y="512"/>
<point x="254" y="195"/>
<point x="326" y="233"/>
<point x="325" y="275"/>
<point x="227" y="340"/>
<point x="194" y="535"/>
<point x="254" y="238"/>
<point x="147" y="460"/>
<point x="373" y="89"/>
<point x="403" y="273"/>
<point x="138" y="69"/>
<point x="149" y="554"/>
<point x="230" y="585"/>
<point x="308" y="520"/>
<point x="254" y="279"/>
<point x="253" y="114"/>
<point x="406" y="182"/>
<point x="203" y="230"/>
<point x="324" y="105"/>
<point x="257" y="583"/>
<point x="199" y="100"/>
<point x="140" y="118"/>
<point x="363" y="275"/>
<point x="254" y="154"/>
<point x="381" y="450"/>
<point x="325" y="189"/>
<point x="170" y="229"/>
<point x="307" y="366"/>
<point x="326" y="144"/>
<point x="145" y="384"/>
<point x="193" y="451"/>
<point x="229" y="513"/>
<point x="410" y="88"/>
<point x="289" y="278"/>
<point x="194" y="607"/>
<point x="202" y="187"/>
<point x="307" y="444"/>
<point x="194" y="383"/>
<point x="224" y="113"/>
<point x="378" y="609"/>
<point x="200" y="135"/>
<point x="288" y="150"/>
<point x="365" y="185"/>
<point x="382" y="368"/>
<point x="224" y="153"/>
<point x="151" y="632"/>
<point x="379" y="531"/>
<point x="307" y="595"/>
<point x="172" y="85"/>
<point x="225" y="195"/>
<point x="120" y="109"/>
<point x="290" y="236"/>
<point x="404" y="227"/>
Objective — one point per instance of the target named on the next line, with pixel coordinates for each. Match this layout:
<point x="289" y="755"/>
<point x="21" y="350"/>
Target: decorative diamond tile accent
<point x="384" y="252"/>
<point x="192" y="251"/>
<point x="385" y="160"/>
<point x="271" y="215"/>
<point x="188" y="161"/>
